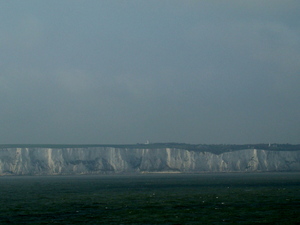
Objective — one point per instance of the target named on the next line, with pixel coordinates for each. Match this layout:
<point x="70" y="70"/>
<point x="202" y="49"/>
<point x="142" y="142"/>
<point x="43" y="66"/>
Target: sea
<point x="205" y="198"/>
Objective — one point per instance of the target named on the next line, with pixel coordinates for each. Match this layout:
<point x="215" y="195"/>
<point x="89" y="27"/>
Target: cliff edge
<point x="106" y="159"/>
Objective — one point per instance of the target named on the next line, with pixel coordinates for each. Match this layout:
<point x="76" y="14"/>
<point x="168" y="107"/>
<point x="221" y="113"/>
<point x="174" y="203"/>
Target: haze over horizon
<point x="123" y="72"/>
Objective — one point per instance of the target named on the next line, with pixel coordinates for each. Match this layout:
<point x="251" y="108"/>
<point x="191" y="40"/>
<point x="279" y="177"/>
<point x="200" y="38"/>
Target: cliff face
<point x="99" y="160"/>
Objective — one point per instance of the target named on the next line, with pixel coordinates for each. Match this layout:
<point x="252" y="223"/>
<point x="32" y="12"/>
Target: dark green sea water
<point x="263" y="198"/>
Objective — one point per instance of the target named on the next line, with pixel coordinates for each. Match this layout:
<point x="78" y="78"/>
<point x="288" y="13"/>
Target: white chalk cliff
<point x="101" y="160"/>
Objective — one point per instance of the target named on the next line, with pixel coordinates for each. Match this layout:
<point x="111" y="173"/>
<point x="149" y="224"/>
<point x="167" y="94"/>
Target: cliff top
<point x="214" y="148"/>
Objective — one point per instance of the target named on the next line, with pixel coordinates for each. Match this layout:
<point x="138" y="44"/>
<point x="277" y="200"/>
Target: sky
<point x="124" y="72"/>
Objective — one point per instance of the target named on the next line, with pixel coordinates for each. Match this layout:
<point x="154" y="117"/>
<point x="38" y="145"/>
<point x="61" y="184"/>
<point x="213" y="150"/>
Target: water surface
<point x="152" y="199"/>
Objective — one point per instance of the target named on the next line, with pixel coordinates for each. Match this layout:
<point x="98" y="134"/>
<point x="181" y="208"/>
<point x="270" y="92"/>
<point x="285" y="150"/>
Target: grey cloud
<point x="116" y="72"/>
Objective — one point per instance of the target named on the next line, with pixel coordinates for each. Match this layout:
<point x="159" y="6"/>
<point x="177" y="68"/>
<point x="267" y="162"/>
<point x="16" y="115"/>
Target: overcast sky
<point x="123" y="72"/>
